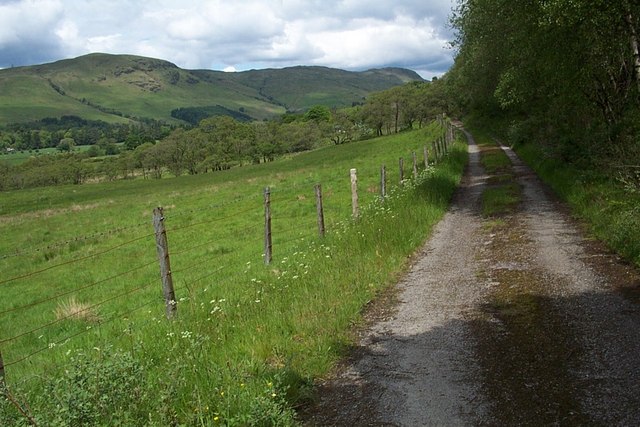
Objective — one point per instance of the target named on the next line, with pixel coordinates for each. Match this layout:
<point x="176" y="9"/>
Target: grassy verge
<point x="609" y="207"/>
<point x="611" y="211"/>
<point x="249" y="339"/>
<point x="502" y="194"/>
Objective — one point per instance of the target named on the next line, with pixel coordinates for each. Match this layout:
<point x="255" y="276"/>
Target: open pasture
<point x="81" y="277"/>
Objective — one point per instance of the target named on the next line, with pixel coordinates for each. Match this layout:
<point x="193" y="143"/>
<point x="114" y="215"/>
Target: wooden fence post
<point x="383" y="181"/>
<point x="415" y="166"/>
<point x="268" y="246"/>
<point x="426" y="157"/>
<point x="162" y="247"/>
<point x="2" y="382"/>
<point x="319" y="210"/>
<point x="401" y="166"/>
<point x="354" y="194"/>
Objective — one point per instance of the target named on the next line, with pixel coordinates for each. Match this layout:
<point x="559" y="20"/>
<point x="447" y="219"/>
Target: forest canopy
<point x="565" y="71"/>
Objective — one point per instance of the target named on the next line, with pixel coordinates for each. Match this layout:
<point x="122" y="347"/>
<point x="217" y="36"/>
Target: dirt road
<point x="519" y="320"/>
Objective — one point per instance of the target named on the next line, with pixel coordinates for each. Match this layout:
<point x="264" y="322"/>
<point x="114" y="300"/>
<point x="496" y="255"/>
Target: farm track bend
<point x="516" y="320"/>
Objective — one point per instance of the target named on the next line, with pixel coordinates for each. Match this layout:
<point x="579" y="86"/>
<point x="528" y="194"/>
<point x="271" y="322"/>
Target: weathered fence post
<point x="319" y="210"/>
<point x="165" y="266"/>
<point x="2" y="382"/>
<point x="415" y="166"/>
<point x="401" y="166"/>
<point x="426" y="157"/>
<point x="383" y="181"/>
<point x="434" y="147"/>
<point x="354" y="193"/>
<point x="268" y="247"/>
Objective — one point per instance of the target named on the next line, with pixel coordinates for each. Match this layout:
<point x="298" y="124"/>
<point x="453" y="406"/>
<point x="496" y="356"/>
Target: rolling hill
<point x="120" y="88"/>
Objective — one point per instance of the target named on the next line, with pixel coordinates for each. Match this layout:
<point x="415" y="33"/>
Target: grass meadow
<point x="84" y="338"/>
<point x="15" y="158"/>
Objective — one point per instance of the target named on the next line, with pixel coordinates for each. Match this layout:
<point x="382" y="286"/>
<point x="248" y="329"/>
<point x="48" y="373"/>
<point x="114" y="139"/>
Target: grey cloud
<point x="22" y="53"/>
<point x="252" y="33"/>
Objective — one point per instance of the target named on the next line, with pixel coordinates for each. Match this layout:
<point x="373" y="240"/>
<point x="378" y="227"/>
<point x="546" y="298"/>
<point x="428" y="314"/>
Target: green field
<point x="18" y="157"/>
<point x="249" y="339"/>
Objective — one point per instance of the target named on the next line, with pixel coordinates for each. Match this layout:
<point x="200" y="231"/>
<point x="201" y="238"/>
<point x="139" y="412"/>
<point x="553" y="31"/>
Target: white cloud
<point x="28" y="20"/>
<point x="349" y="34"/>
<point x="369" y="42"/>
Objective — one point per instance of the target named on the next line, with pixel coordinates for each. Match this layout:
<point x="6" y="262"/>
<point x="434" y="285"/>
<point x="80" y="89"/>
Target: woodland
<point x="219" y="142"/>
<point x="562" y="73"/>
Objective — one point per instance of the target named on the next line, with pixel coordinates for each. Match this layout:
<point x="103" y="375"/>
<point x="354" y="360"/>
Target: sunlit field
<point x="83" y="317"/>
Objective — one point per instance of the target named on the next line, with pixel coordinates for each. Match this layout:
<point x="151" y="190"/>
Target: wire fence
<point x="118" y="276"/>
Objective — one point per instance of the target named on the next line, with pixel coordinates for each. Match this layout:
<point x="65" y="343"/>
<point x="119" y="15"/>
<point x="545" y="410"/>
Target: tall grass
<point x="502" y="194"/>
<point x="611" y="211"/>
<point x="609" y="207"/>
<point x="249" y="339"/>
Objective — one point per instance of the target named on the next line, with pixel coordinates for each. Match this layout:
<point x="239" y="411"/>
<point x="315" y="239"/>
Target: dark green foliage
<point x="195" y="115"/>
<point x="560" y="80"/>
<point x="219" y="142"/>
<point x="561" y="71"/>
<point x="100" y="388"/>
<point x="612" y="210"/>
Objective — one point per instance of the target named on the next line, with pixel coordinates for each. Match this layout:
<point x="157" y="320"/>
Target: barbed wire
<point x="309" y="234"/>
<point x="209" y="207"/>
<point x="192" y="266"/>
<point x="210" y="221"/>
<point x="62" y="340"/>
<point x="218" y="238"/>
<point x="116" y="316"/>
<point x="74" y="314"/>
<point x="62" y="243"/>
<point x="294" y="239"/>
<point x="211" y="273"/>
<point x="72" y="261"/>
<point x="75" y="290"/>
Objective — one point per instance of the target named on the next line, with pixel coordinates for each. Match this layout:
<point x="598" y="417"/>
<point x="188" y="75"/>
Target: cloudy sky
<point x="233" y="34"/>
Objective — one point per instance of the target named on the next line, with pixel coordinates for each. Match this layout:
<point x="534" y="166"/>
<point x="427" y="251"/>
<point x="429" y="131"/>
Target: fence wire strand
<point x="75" y="290"/>
<point x="75" y="313"/>
<point x="62" y="243"/>
<point x="72" y="261"/>
<point x="210" y="221"/>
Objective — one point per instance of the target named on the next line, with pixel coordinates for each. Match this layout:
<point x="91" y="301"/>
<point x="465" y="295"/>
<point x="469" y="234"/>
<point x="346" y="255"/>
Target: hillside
<point x="118" y="88"/>
<point x="250" y="339"/>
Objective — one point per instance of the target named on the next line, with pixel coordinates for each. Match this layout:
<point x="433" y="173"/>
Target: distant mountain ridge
<point x="122" y="88"/>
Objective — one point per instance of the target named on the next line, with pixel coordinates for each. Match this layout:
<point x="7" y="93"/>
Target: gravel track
<point x="521" y="321"/>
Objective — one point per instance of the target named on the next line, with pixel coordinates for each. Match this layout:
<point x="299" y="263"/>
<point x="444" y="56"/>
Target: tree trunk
<point x="634" y="47"/>
<point x="397" y="115"/>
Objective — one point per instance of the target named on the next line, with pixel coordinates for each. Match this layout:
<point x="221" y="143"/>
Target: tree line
<point x="553" y="70"/>
<point x="215" y="143"/>
<point x="49" y="132"/>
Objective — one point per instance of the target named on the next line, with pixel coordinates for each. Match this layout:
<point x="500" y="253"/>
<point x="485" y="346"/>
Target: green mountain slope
<point x="119" y="88"/>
